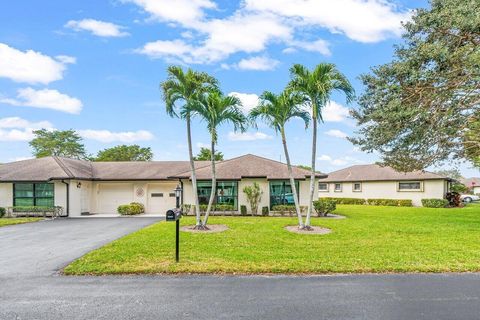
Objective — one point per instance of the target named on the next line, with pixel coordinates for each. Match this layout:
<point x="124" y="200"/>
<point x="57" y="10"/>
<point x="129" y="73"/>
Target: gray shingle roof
<point x="374" y="172"/>
<point x="56" y="168"/>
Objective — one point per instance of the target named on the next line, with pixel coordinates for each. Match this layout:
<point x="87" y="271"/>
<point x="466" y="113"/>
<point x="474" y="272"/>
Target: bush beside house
<point x="372" y="202"/>
<point x="131" y="209"/>
<point x="324" y="206"/>
<point x="2" y="212"/>
<point x="435" y="203"/>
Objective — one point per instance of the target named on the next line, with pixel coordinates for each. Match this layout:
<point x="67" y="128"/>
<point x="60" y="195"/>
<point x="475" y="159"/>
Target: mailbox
<point x="173" y="215"/>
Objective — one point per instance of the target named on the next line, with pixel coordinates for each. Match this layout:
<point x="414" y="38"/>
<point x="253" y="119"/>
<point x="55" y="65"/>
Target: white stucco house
<point x="82" y="187"/>
<point x="472" y="183"/>
<point x="372" y="181"/>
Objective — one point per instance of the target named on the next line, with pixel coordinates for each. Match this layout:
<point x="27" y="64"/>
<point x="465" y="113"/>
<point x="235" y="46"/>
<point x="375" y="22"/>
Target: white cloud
<point x="335" y="112"/>
<point x="31" y="66"/>
<point x="336" y="133"/>
<point x="18" y="129"/>
<point x="45" y="98"/>
<point x="248" y="136"/>
<point x="320" y="46"/>
<point x="360" y="20"/>
<point x="109" y="136"/>
<point x="169" y="50"/>
<point x="20" y="159"/>
<point x="338" y="162"/>
<point x="184" y="12"/>
<point x="96" y="27"/>
<point x="259" y="63"/>
<point x="249" y="100"/>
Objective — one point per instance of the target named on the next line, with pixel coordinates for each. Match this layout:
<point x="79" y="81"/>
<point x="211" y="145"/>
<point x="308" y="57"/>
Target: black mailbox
<point x="173" y="215"/>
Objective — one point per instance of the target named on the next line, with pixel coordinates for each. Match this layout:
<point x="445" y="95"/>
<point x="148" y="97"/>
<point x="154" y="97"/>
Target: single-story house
<point x="372" y="181"/>
<point x="472" y="183"/>
<point x="82" y="187"/>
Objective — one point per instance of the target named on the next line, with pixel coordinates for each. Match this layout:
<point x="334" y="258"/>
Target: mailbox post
<point x="175" y="215"/>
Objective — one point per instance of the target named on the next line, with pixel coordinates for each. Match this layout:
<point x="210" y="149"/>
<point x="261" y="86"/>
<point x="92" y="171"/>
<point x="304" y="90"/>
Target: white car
<point x="469" y="198"/>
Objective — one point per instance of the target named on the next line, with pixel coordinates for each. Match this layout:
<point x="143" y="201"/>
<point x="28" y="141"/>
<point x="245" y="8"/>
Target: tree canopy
<point x="125" y="153"/>
<point x="65" y="143"/>
<point x="206" y="155"/>
<point x="423" y="108"/>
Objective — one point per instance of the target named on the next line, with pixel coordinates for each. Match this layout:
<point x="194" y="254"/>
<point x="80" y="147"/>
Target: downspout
<point x="68" y="196"/>
<point x="183" y="191"/>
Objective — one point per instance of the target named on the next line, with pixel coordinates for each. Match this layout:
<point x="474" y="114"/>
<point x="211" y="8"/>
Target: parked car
<point x="469" y="198"/>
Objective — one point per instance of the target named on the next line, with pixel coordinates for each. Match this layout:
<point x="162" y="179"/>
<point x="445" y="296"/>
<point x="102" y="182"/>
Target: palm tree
<point x="216" y="109"/>
<point x="317" y="87"/>
<point x="276" y="111"/>
<point x="186" y="88"/>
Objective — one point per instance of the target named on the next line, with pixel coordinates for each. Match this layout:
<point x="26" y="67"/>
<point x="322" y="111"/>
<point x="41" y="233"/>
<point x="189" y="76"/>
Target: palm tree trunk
<point x="194" y="176"/>
<point x="292" y="180"/>
<point x="214" y="185"/>
<point x="312" y="176"/>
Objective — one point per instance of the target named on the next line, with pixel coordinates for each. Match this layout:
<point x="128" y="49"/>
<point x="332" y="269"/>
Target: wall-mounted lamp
<point x="79" y="185"/>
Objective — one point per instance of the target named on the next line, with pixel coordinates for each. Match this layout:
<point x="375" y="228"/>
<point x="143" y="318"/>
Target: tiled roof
<point x="374" y="172"/>
<point x="57" y="168"/>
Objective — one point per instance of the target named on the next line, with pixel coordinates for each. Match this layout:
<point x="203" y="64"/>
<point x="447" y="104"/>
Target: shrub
<point x="131" y="209"/>
<point x="243" y="210"/>
<point x="390" y="202"/>
<point x="324" y="206"/>
<point x="254" y="195"/>
<point x="216" y="207"/>
<point x="21" y="209"/>
<point x="265" y="211"/>
<point x="2" y="212"/>
<point x="435" y="203"/>
<point x="186" y="208"/>
<point x="347" y="200"/>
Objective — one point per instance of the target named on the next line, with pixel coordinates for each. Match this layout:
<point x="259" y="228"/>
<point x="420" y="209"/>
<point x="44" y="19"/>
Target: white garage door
<point x="160" y="198"/>
<point x="110" y="196"/>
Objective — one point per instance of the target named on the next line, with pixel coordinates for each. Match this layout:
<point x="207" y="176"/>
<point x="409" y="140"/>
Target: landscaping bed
<point x="372" y="239"/>
<point x="11" y="221"/>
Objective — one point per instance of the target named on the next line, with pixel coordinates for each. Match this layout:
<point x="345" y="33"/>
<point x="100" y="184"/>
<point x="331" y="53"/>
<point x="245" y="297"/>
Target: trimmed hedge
<point x="243" y="210"/>
<point x="346" y="200"/>
<point x="131" y="209"/>
<point x="287" y="208"/>
<point x="390" y="202"/>
<point x="2" y="212"/>
<point x="324" y="206"/>
<point x="434" y="203"/>
<point x="22" y="209"/>
<point x="265" y="211"/>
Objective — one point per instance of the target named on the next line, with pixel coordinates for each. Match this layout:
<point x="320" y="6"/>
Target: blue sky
<point x="95" y="66"/>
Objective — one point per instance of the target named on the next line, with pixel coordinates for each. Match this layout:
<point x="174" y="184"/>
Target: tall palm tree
<point x="181" y="91"/>
<point x="317" y="87"/>
<point x="276" y="111"/>
<point x="216" y="109"/>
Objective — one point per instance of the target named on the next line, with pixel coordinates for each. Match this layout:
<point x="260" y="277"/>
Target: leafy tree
<point x="451" y="173"/>
<point x="317" y="87"/>
<point x="65" y="143"/>
<point x="276" y="111"/>
<point x="125" y="153"/>
<point x="181" y="91"/>
<point x="205" y="154"/>
<point x="254" y="196"/>
<point x="423" y="108"/>
<point x="216" y="109"/>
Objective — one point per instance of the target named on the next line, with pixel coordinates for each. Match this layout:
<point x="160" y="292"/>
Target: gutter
<point x="68" y="196"/>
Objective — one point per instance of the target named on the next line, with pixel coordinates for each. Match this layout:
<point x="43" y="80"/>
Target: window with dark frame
<point x="157" y="195"/>
<point x="322" y="186"/>
<point x="33" y="195"/>
<point x="410" y="185"/>
<point x="357" y="186"/>
<point x="226" y="192"/>
<point x="338" y="187"/>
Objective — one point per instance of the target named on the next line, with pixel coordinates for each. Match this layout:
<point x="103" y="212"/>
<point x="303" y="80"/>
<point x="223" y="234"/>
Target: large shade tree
<point x="217" y="109"/>
<point x="205" y="154"/>
<point x="125" y="153"/>
<point x="181" y="91"/>
<point x="423" y="108"/>
<point x="276" y="111"/>
<point x="66" y="143"/>
<point x="317" y="87"/>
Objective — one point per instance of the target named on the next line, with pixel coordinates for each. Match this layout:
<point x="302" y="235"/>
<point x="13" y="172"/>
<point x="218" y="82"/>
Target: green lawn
<point x="11" y="221"/>
<point x="372" y="239"/>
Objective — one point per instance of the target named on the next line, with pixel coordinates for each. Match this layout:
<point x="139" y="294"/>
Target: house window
<point x="410" y="186"/>
<point x="323" y="187"/>
<point x="157" y="195"/>
<point x="357" y="186"/>
<point x="171" y="194"/>
<point x="281" y="192"/>
<point x="33" y="194"/>
<point x="226" y="193"/>
<point x="338" y="187"/>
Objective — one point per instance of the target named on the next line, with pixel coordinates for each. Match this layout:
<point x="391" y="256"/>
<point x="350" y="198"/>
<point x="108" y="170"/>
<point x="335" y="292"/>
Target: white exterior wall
<point x="387" y="190"/>
<point x="6" y="195"/>
<point x="264" y="187"/>
<point x="476" y="190"/>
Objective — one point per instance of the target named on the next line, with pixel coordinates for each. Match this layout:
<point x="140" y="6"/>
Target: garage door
<point x="110" y="196"/>
<point x="160" y="198"/>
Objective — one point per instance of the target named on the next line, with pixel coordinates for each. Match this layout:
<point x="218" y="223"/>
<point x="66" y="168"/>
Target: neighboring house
<point x="100" y="187"/>
<point x="375" y="182"/>
<point x="472" y="183"/>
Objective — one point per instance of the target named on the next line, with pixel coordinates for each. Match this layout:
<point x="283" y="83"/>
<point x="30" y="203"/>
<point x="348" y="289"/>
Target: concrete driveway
<point x="42" y="248"/>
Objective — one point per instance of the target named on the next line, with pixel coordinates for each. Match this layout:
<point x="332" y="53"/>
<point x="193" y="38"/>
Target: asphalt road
<point x="32" y="289"/>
